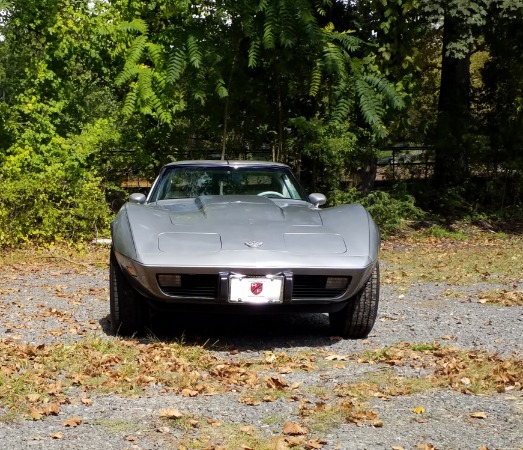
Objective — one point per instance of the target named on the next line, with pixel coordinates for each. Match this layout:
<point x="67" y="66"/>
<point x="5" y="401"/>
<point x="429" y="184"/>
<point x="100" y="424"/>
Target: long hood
<point x="248" y="229"/>
<point x="216" y="211"/>
<point x="225" y="223"/>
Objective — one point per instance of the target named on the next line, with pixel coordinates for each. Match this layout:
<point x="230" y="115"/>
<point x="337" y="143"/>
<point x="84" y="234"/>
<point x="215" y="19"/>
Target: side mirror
<point x="317" y="199"/>
<point x="137" y="198"/>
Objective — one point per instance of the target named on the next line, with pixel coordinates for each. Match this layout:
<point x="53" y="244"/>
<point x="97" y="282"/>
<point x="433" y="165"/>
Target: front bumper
<point x="210" y="285"/>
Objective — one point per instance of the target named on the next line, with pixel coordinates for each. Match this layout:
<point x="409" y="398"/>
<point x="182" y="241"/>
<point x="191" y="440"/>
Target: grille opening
<point x="190" y="285"/>
<point x="319" y="286"/>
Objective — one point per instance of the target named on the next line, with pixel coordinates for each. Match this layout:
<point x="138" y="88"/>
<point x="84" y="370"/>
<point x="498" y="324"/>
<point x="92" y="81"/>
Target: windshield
<point x="190" y="182"/>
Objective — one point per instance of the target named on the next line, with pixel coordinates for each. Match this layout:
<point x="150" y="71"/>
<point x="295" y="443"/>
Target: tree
<point x="260" y="60"/>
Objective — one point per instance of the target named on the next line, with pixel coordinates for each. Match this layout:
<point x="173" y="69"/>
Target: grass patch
<point x="385" y="384"/>
<point x="116" y="426"/>
<point x="502" y="297"/>
<point x="213" y="434"/>
<point x="59" y="256"/>
<point x="473" y="372"/>
<point x="322" y="417"/>
<point x="34" y="377"/>
<point x="206" y="433"/>
<point x="283" y="362"/>
<point x="481" y="258"/>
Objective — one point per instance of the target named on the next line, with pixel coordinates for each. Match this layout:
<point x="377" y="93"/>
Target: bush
<point x="49" y="189"/>
<point x="390" y="211"/>
<point x="40" y="209"/>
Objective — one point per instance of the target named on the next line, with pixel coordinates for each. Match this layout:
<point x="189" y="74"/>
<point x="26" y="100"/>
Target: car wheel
<point x="356" y="319"/>
<point x="129" y="310"/>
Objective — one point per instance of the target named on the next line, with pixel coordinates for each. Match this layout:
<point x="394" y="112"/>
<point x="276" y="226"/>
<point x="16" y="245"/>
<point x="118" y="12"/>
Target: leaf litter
<point x="40" y="385"/>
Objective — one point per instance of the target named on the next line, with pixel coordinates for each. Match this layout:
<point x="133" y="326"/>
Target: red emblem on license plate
<point x="256" y="288"/>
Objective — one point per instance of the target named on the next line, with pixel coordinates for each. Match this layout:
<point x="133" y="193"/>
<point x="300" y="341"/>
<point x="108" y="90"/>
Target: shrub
<point x="389" y="210"/>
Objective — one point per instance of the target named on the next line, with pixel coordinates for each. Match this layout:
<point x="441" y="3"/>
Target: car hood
<point x="213" y="224"/>
<point x="245" y="210"/>
<point x="244" y="232"/>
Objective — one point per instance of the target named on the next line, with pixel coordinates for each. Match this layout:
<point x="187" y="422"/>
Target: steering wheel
<point x="277" y="194"/>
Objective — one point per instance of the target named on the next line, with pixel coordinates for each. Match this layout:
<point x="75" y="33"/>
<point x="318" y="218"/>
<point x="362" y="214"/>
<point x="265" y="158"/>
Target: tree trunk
<point x="451" y="164"/>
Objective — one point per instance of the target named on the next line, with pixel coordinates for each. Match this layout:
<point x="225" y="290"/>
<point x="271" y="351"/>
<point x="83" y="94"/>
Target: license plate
<point x="256" y="290"/>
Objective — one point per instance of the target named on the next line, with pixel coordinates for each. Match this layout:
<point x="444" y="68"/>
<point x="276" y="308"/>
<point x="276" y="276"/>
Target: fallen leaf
<point x="335" y="357"/>
<point x="36" y="414"/>
<point x="276" y="383"/>
<point x="294" y="441"/>
<point x="57" y="435"/>
<point x="314" y="444"/>
<point x="189" y="393"/>
<point x="294" y="429"/>
<point x="52" y="410"/>
<point x="170" y="413"/>
<point x="418" y="410"/>
<point x="250" y="401"/>
<point x="72" y="422"/>
<point x="247" y="429"/>
<point x="33" y="397"/>
<point x="281" y="444"/>
<point x="213" y="423"/>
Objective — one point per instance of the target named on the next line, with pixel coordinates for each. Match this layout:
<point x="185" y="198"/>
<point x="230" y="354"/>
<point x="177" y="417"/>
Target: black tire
<point x="356" y="319"/>
<point x="129" y="309"/>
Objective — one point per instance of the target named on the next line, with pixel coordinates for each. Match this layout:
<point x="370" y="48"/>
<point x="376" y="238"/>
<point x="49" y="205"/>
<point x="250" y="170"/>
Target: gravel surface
<point x="42" y="303"/>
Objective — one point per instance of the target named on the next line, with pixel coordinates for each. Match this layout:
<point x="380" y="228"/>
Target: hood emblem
<point x="254" y="244"/>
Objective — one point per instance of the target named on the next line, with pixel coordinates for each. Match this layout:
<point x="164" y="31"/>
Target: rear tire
<point x="356" y="319"/>
<point x="129" y="310"/>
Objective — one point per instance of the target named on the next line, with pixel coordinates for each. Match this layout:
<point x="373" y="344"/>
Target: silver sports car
<point x="242" y="236"/>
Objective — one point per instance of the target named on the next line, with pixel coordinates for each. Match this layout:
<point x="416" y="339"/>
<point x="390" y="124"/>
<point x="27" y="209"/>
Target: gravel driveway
<point x="43" y="303"/>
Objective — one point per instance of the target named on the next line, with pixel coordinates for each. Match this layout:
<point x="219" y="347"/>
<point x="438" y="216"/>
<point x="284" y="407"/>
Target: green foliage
<point x="389" y="210"/>
<point x="51" y="206"/>
<point x="49" y="191"/>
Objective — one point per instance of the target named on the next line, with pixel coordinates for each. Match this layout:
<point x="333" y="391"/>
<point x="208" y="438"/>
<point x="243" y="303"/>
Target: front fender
<point x="355" y="224"/>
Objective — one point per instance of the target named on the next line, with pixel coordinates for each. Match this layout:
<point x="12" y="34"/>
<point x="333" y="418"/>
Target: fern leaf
<point x="161" y="79"/>
<point x="254" y="53"/>
<point x="348" y="42"/>
<point x="176" y="65"/>
<point x="145" y="85"/>
<point x="128" y="73"/>
<point x="136" y="50"/>
<point x="220" y="88"/>
<point x="334" y="59"/>
<point x="199" y="96"/>
<point x="342" y="110"/>
<point x="315" y="80"/>
<point x="136" y="25"/>
<point x="288" y="34"/>
<point x="270" y="25"/>
<point x="129" y="105"/>
<point x="155" y="53"/>
<point x="385" y="88"/>
<point x="371" y="106"/>
<point x="195" y="54"/>
<point x="263" y="5"/>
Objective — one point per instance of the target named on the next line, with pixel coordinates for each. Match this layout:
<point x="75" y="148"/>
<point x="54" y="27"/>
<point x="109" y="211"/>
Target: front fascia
<point x="357" y="268"/>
